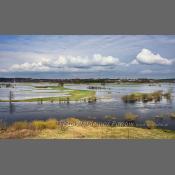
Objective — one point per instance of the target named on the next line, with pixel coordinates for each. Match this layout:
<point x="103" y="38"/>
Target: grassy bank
<point x="145" y="97"/>
<point x="73" y="128"/>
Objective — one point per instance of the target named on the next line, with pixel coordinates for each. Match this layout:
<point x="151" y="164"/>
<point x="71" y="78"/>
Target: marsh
<point x="108" y="102"/>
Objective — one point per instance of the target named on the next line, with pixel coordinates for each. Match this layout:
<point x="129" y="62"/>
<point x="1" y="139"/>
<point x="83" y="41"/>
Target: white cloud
<point x="147" y="57"/>
<point x="38" y="66"/>
<point x="69" y="63"/>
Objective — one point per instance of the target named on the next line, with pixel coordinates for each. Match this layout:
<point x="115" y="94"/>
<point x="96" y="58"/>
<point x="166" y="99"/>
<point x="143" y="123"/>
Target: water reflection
<point x="11" y="108"/>
<point x="109" y="103"/>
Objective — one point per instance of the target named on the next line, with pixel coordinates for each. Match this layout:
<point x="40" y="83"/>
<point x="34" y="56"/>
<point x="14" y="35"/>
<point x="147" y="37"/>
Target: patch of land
<point x="145" y="97"/>
<point x="73" y="128"/>
<point x="71" y="95"/>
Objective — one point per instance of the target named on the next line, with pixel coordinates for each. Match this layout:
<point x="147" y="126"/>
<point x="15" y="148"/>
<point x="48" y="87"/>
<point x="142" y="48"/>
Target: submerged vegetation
<point x="146" y="97"/>
<point x="71" y="95"/>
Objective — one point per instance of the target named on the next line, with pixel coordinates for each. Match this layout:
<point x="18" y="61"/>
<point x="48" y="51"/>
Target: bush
<point x="51" y="124"/>
<point x="20" y="125"/>
<point x="172" y="115"/>
<point x="39" y="124"/>
<point x="72" y="121"/>
<point x="145" y="97"/>
<point x="150" y="124"/>
<point x="36" y="124"/>
<point x="130" y="117"/>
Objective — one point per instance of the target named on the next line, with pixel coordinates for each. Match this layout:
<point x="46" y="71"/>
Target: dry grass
<point x="18" y="134"/>
<point x="72" y="121"/>
<point x="48" y="124"/>
<point x="106" y="132"/>
<point x="130" y="117"/>
<point x="20" y="125"/>
<point x="150" y="124"/>
<point x="52" y="129"/>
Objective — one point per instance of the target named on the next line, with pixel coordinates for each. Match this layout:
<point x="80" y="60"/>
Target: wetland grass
<point x="150" y="124"/>
<point x="146" y="97"/>
<point x="130" y="117"/>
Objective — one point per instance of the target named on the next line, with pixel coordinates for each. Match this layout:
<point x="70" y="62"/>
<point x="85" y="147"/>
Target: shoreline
<point x="73" y="128"/>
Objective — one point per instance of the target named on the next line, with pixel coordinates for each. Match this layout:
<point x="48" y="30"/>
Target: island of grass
<point x="71" y="95"/>
<point x="73" y="128"/>
<point x="146" y="97"/>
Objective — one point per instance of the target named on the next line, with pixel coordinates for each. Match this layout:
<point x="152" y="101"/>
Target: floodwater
<point x="109" y="103"/>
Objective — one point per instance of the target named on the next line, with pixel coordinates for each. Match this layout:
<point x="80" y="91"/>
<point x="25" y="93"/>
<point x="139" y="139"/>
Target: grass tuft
<point x="72" y="121"/>
<point x="130" y="117"/>
<point x="51" y="124"/>
<point x="150" y="124"/>
<point x="20" y="125"/>
<point x="38" y="124"/>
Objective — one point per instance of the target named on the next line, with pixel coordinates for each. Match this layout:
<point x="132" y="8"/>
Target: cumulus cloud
<point x="69" y="63"/>
<point x="38" y="66"/>
<point x="147" y="57"/>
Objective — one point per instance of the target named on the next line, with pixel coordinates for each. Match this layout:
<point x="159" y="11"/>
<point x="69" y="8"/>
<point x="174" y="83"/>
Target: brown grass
<point x="48" y="124"/>
<point x="150" y="124"/>
<point x="130" y="117"/>
<point x="52" y="129"/>
<point x="20" y="125"/>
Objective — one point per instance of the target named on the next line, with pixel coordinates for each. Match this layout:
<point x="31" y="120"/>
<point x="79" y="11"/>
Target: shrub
<point x="145" y="97"/>
<point x="39" y="124"/>
<point x="130" y="117"/>
<point x="20" y="125"/>
<point x="172" y="115"/>
<point x="150" y="124"/>
<point x="72" y="121"/>
<point x="51" y="124"/>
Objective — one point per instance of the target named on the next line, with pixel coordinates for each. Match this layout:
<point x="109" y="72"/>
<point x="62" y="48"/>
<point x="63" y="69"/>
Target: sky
<point x="87" y="56"/>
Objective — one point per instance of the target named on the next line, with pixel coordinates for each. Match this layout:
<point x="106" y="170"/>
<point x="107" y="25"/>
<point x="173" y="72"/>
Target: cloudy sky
<point x="87" y="56"/>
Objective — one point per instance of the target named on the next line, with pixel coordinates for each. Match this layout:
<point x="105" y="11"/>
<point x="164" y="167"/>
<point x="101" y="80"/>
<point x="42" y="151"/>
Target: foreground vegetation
<point x="146" y="97"/>
<point x="73" y="128"/>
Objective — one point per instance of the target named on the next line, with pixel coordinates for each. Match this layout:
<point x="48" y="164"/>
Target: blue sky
<point x="87" y="56"/>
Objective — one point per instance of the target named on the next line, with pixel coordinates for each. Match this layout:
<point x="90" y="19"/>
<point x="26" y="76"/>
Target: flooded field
<point x="109" y="102"/>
